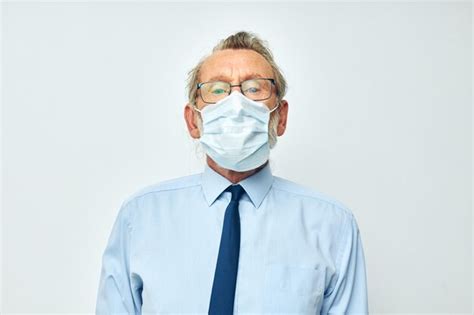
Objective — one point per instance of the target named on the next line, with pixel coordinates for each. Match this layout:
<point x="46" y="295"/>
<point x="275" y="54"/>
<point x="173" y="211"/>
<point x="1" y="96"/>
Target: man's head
<point x="235" y="59"/>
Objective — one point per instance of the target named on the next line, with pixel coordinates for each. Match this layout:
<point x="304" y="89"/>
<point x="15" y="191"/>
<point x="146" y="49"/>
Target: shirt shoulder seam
<point x="336" y="204"/>
<point x="158" y="190"/>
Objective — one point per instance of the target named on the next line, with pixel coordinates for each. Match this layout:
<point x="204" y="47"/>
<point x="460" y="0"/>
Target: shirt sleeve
<point x="115" y="294"/>
<point x="349" y="293"/>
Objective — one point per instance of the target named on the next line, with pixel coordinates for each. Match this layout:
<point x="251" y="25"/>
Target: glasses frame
<point x="272" y="81"/>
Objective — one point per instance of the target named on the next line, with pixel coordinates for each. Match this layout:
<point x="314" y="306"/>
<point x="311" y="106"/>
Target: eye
<point x="252" y="90"/>
<point x="218" y="91"/>
<point x="218" y="88"/>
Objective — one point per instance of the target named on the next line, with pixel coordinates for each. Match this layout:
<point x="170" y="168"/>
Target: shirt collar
<point x="256" y="186"/>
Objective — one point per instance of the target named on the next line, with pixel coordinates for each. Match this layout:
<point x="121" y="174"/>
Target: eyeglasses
<point x="258" y="89"/>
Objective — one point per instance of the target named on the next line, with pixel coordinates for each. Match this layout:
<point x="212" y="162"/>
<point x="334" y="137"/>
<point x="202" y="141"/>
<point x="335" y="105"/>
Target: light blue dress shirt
<point x="301" y="251"/>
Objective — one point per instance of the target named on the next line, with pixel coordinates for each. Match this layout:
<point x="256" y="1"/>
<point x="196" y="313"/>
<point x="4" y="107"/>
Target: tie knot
<point x="236" y="191"/>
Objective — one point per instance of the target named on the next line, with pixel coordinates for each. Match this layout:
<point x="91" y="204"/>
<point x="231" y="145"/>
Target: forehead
<point x="235" y="65"/>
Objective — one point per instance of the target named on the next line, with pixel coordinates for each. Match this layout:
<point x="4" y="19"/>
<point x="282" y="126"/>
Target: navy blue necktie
<point x="225" y="277"/>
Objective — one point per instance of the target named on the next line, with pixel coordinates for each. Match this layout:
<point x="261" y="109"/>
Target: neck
<point x="233" y="176"/>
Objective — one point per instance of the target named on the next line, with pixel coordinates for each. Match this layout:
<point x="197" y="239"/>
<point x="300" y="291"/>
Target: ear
<point x="189" y="117"/>
<point x="283" y="110"/>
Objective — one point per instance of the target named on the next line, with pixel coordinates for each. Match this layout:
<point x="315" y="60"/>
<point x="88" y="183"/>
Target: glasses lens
<point x="257" y="89"/>
<point x="212" y="92"/>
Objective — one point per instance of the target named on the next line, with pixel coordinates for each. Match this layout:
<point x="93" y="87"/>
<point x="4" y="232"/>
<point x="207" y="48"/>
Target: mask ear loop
<point x="196" y="109"/>
<point x="278" y="105"/>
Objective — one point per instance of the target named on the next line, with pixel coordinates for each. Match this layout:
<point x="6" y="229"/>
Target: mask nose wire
<point x="238" y="89"/>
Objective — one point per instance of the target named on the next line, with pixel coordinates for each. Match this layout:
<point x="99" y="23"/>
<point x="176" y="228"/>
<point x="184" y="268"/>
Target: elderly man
<point x="234" y="239"/>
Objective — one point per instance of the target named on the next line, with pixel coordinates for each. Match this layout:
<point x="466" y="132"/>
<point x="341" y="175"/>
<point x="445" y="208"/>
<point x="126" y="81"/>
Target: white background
<point x="380" y="118"/>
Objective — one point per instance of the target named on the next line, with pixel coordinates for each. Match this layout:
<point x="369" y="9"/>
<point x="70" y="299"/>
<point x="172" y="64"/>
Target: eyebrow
<point x="225" y="78"/>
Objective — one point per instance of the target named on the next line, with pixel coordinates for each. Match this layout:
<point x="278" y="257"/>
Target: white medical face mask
<point x="235" y="132"/>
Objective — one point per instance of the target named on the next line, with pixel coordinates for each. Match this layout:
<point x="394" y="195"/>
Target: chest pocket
<point x="290" y="288"/>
